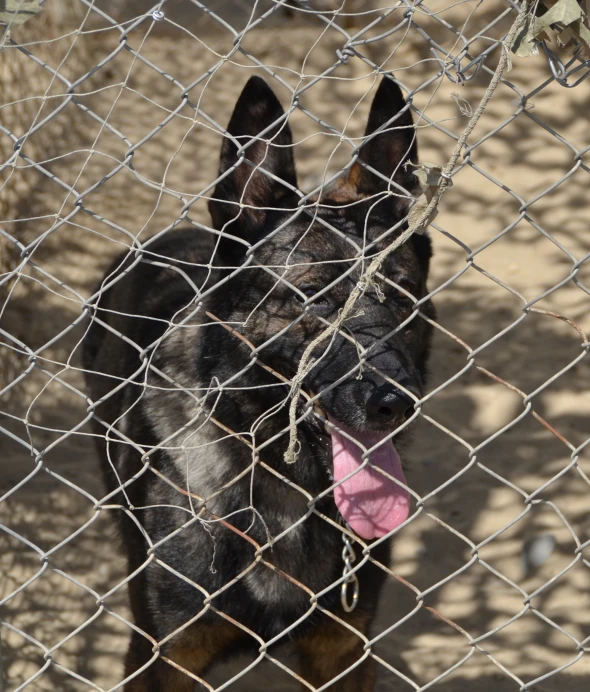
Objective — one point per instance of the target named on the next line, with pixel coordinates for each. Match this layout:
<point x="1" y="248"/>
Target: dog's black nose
<point x="388" y="403"/>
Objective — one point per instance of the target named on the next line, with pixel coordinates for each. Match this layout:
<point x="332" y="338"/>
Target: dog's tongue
<point x="370" y="503"/>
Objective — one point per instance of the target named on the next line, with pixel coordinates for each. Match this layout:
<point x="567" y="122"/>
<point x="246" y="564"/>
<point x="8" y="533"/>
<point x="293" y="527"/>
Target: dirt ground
<point x="59" y="556"/>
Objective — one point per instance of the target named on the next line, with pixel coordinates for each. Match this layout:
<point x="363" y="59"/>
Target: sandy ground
<point x="49" y="507"/>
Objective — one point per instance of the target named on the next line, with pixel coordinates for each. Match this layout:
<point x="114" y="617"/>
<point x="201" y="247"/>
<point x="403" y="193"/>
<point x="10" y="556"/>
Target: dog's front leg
<point x="330" y="648"/>
<point x="193" y="650"/>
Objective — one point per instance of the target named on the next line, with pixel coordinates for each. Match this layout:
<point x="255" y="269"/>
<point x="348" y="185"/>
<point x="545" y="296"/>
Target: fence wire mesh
<point x="297" y="311"/>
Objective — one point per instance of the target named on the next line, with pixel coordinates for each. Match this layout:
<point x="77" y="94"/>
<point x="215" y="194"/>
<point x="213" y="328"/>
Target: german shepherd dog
<point x="189" y="355"/>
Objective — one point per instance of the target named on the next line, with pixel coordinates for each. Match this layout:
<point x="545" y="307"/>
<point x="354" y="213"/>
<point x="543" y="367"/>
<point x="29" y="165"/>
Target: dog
<point x="190" y="357"/>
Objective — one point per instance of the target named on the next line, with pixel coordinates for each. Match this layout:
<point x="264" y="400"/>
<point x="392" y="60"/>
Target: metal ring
<point x="346" y="605"/>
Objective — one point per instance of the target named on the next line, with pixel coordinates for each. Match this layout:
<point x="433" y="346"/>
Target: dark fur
<point x="156" y="288"/>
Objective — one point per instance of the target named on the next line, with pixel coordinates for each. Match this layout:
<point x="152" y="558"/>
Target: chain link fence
<point x="112" y="119"/>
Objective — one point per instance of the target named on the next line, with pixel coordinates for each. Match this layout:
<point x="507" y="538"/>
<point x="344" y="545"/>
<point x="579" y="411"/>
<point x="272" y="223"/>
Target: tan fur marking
<point x="354" y="175"/>
<point x="194" y="650"/>
<point x="345" y="190"/>
<point x="330" y="649"/>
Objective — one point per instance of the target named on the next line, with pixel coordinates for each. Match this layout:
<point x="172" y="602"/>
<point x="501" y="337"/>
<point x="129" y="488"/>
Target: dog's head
<point x="300" y="263"/>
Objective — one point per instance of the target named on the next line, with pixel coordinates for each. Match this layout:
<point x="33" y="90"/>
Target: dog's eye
<point x="407" y="286"/>
<point x="308" y="292"/>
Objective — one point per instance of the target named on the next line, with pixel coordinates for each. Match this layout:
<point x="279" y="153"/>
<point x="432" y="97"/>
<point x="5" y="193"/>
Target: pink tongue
<point x="372" y="504"/>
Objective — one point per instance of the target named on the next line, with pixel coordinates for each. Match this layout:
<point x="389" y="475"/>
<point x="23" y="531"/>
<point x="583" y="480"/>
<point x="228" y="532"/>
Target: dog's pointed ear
<point x="393" y="145"/>
<point x="259" y="125"/>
